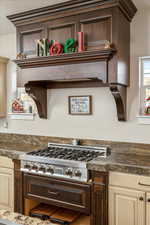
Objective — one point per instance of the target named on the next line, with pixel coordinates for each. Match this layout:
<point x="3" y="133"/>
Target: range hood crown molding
<point x="72" y="7"/>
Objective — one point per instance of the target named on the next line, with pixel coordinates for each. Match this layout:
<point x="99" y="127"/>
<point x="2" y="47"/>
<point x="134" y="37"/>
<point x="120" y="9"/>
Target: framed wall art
<point x="80" y="105"/>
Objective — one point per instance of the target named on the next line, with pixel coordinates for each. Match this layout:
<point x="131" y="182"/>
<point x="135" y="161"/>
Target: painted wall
<point x="103" y="124"/>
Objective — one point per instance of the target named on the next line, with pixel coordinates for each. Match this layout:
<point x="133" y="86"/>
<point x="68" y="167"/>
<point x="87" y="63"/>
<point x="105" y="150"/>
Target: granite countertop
<point x="126" y="163"/>
<point x="19" y="219"/>
<point x="14" y="151"/>
<point x="119" y="162"/>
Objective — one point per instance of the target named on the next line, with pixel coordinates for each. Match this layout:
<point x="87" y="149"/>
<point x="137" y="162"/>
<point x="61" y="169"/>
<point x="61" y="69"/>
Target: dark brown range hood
<point x="99" y="20"/>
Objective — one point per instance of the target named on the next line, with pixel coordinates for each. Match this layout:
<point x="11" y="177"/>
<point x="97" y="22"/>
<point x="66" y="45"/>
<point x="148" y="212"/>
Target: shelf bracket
<point x="119" y="92"/>
<point x="38" y="92"/>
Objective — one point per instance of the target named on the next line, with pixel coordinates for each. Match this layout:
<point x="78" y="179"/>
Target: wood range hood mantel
<point x="65" y="59"/>
<point x="99" y="20"/>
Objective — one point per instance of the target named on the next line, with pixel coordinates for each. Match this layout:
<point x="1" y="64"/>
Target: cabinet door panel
<point x="29" y="42"/>
<point x="126" y="207"/>
<point x="27" y="37"/>
<point x="62" y="33"/>
<point x="6" y="189"/>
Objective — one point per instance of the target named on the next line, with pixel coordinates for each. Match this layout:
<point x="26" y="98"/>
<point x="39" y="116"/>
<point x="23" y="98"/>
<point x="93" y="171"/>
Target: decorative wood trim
<point x="72" y="8"/>
<point x="18" y="188"/>
<point x="119" y="93"/>
<point x="99" y="198"/>
<point x="64" y="59"/>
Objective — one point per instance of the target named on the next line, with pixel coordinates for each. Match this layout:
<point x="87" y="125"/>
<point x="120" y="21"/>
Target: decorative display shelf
<point x="22" y="116"/>
<point x="64" y="59"/>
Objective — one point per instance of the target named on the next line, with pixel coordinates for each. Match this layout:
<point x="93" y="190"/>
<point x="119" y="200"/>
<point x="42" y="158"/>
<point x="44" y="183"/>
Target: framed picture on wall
<point x="80" y="105"/>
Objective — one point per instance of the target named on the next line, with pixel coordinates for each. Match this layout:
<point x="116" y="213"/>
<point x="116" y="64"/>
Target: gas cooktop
<point x="85" y="154"/>
<point x="62" y="160"/>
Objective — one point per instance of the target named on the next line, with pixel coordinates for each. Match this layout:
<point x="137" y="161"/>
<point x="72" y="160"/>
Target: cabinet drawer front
<point x="61" y="193"/>
<point x="138" y="182"/>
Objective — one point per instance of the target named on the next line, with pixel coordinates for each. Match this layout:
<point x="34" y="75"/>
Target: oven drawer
<point x="76" y="196"/>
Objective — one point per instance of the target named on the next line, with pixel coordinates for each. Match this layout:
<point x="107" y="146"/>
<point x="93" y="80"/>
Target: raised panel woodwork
<point x="28" y="42"/>
<point x="99" y="198"/>
<point x="126" y="207"/>
<point x="96" y="30"/>
<point x="18" y="188"/>
<point x="62" y="33"/>
<point x="6" y="189"/>
<point x="27" y="36"/>
<point x="57" y="192"/>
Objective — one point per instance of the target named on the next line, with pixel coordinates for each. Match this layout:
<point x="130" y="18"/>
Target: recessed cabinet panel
<point x="28" y="42"/>
<point x="62" y="33"/>
<point x="126" y="207"/>
<point x="96" y="30"/>
<point x="6" y="189"/>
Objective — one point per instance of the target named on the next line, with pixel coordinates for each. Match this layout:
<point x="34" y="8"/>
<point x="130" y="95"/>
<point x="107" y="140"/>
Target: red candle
<point x="81" y="41"/>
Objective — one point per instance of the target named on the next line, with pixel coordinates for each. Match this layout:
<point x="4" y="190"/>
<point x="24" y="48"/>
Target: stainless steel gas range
<point x="62" y="161"/>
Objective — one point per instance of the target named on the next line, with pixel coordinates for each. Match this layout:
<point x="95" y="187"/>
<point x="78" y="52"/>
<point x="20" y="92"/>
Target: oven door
<point x="62" y="193"/>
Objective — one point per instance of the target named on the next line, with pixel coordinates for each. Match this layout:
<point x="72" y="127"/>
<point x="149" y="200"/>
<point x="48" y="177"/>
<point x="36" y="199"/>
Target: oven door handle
<point x="53" y="193"/>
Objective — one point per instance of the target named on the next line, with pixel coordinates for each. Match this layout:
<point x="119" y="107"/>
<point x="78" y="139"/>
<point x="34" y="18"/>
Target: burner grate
<point x="67" y="154"/>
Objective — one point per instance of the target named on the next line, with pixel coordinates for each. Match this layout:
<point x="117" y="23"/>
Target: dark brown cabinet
<point x="58" y="192"/>
<point x="99" y="206"/>
<point x="100" y="20"/>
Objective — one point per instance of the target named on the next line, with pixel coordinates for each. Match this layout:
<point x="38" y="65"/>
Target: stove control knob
<point x="42" y="169"/>
<point x="50" y="170"/>
<point x="78" y="173"/>
<point x="35" y="167"/>
<point x="69" y="172"/>
<point x="27" y="166"/>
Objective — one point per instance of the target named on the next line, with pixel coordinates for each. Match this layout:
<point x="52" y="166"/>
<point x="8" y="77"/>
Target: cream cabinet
<point x="6" y="184"/>
<point x="127" y="207"/>
<point x="3" y="68"/>
<point x="129" y="199"/>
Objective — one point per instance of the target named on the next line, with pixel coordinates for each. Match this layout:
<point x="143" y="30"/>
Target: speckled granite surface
<point x="13" y="150"/>
<point x="22" y="220"/>
<point x="126" y="163"/>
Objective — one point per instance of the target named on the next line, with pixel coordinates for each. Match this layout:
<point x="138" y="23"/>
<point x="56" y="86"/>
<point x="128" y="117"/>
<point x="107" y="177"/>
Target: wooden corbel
<point x="38" y="92"/>
<point x="119" y="93"/>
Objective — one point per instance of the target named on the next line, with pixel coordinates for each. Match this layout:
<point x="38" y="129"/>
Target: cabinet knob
<point x="148" y="199"/>
<point x="141" y="199"/>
